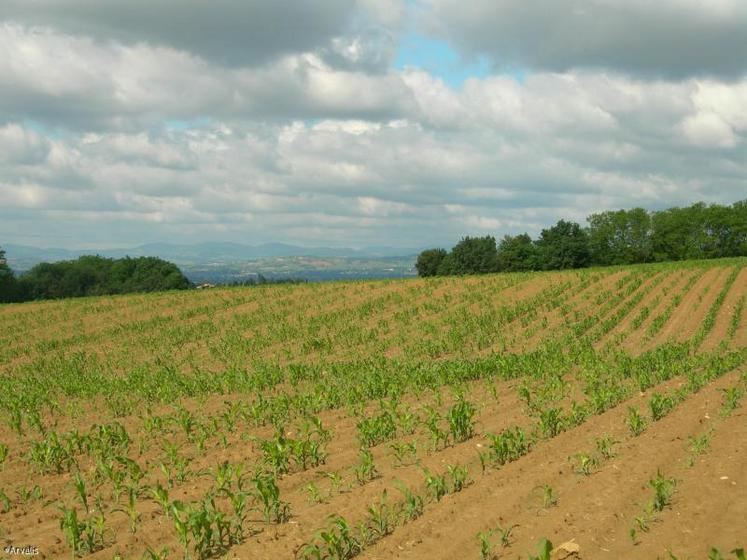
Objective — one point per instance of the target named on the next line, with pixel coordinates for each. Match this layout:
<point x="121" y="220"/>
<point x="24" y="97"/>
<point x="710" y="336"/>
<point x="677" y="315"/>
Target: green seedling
<point x="335" y="482"/>
<point x="606" y="447"/>
<point x="161" y="496"/>
<point x="509" y="445"/>
<point x="715" y="554"/>
<point x="458" y="477"/>
<point x="732" y="396"/>
<point x="315" y="495"/>
<point x="660" y="406"/>
<point x="544" y="551"/>
<point x="551" y="422"/>
<point x="436" y="485"/>
<point x="80" y="489"/>
<point x="130" y="508"/>
<point x="403" y="451"/>
<point x="461" y="420"/>
<point x="663" y="490"/>
<point x="584" y="464"/>
<point x="380" y="518"/>
<point x="365" y="471"/>
<point x="504" y="534"/>
<point x="335" y="543"/>
<point x="4" y="502"/>
<point x="414" y="504"/>
<point x="636" y="423"/>
<point x="28" y="494"/>
<point x="268" y="494"/>
<point x="152" y="554"/>
<point x="486" y="547"/>
<point x="549" y="497"/>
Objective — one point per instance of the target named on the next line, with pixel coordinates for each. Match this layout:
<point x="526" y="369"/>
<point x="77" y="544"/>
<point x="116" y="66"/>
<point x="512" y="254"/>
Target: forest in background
<point x="614" y="237"/>
<point x="89" y="276"/>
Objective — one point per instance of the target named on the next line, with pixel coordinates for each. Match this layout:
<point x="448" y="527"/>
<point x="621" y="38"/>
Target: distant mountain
<point x="23" y="257"/>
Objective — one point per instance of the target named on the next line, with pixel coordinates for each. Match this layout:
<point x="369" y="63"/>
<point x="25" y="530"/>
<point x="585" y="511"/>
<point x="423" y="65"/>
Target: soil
<point x="594" y="512"/>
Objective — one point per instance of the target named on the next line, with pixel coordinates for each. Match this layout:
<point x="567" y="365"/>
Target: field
<point x="451" y="418"/>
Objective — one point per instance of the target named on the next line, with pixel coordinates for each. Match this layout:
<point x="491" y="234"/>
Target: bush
<point x="429" y="261"/>
<point x="90" y="276"/>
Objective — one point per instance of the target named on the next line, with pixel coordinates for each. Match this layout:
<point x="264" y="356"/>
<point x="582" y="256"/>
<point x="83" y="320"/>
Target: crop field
<point x="598" y="413"/>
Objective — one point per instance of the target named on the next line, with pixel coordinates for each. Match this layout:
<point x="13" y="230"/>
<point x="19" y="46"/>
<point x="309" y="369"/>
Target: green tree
<point x="620" y="237"/>
<point x="94" y="275"/>
<point x="429" y="261"/>
<point x="725" y="230"/>
<point x="447" y="266"/>
<point x="8" y="284"/>
<point x="739" y="219"/>
<point x="474" y="255"/>
<point x="679" y="233"/>
<point x="564" y="245"/>
<point x="517" y="253"/>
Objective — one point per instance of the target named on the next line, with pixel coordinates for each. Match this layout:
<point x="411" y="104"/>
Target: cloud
<point x="228" y="32"/>
<point x="21" y="146"/>
<point x="708" y="130"/>
<point x="74" y="82"/>
<point x="669" y="38"/>
<point x="128" y="135"/>
<point x="518" y="157"/>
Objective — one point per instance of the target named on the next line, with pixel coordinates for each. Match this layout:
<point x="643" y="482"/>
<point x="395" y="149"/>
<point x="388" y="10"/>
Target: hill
<point x="234" y="262"/>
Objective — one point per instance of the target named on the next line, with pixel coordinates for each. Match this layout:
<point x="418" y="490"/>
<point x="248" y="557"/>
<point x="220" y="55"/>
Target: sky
<point x="402" y="123"/>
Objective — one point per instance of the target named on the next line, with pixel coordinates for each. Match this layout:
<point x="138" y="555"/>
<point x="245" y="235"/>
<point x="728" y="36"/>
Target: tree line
<point x="89" y="276"/>
<point x="612" y="238"/>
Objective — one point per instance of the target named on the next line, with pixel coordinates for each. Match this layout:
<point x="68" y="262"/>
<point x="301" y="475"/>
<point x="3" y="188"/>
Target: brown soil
<point x="595" y="511"/>
<point x="723" y="319"/>
<point x="689" y="314"/>
<point x="413" y="320"/>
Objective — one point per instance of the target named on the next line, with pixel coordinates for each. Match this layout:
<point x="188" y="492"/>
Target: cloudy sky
<point x="354" y="123"/>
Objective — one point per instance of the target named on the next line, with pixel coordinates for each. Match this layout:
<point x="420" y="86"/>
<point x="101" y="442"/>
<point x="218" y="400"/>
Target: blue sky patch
<point x="439" y="59"/>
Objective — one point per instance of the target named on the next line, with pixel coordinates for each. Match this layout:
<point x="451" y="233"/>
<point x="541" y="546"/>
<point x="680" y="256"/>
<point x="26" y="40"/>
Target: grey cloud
<point x="231" y="32"/>
<point x="669" y="38"/>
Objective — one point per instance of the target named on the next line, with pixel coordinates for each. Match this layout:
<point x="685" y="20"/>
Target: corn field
<point x="496" y="416"/>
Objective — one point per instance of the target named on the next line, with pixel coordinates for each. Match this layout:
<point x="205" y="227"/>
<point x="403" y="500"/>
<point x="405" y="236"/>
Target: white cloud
<point x="126" y="136"/>
<point x="22" y="146"/>
<point x="708" y="130"/>
<point x="77" y="82"/>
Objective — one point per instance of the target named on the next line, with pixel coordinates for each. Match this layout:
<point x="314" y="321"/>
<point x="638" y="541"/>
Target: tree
<point x="94" y="275"/>
<point x="564" y="245"/>
<point x="679" y="233"/>
<point x="620" y="237"/>
<point x="517" y="253"/>
<point x="429" y="261"/>
<point x="447" y="266"/>
<point x="739" y="231"/>
<point x="8" y="284"/>
<point x="474" y="255"/>
<point x="725" y="230"/>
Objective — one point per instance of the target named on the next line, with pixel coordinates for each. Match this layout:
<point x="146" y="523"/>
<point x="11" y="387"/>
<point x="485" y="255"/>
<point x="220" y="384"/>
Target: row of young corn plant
<point x="661" y="319"/>
<point x="710" y="318"/>
<point x="164" y="380"/>
<point x="341" y="540"/>
<point x="316" y="389"/>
